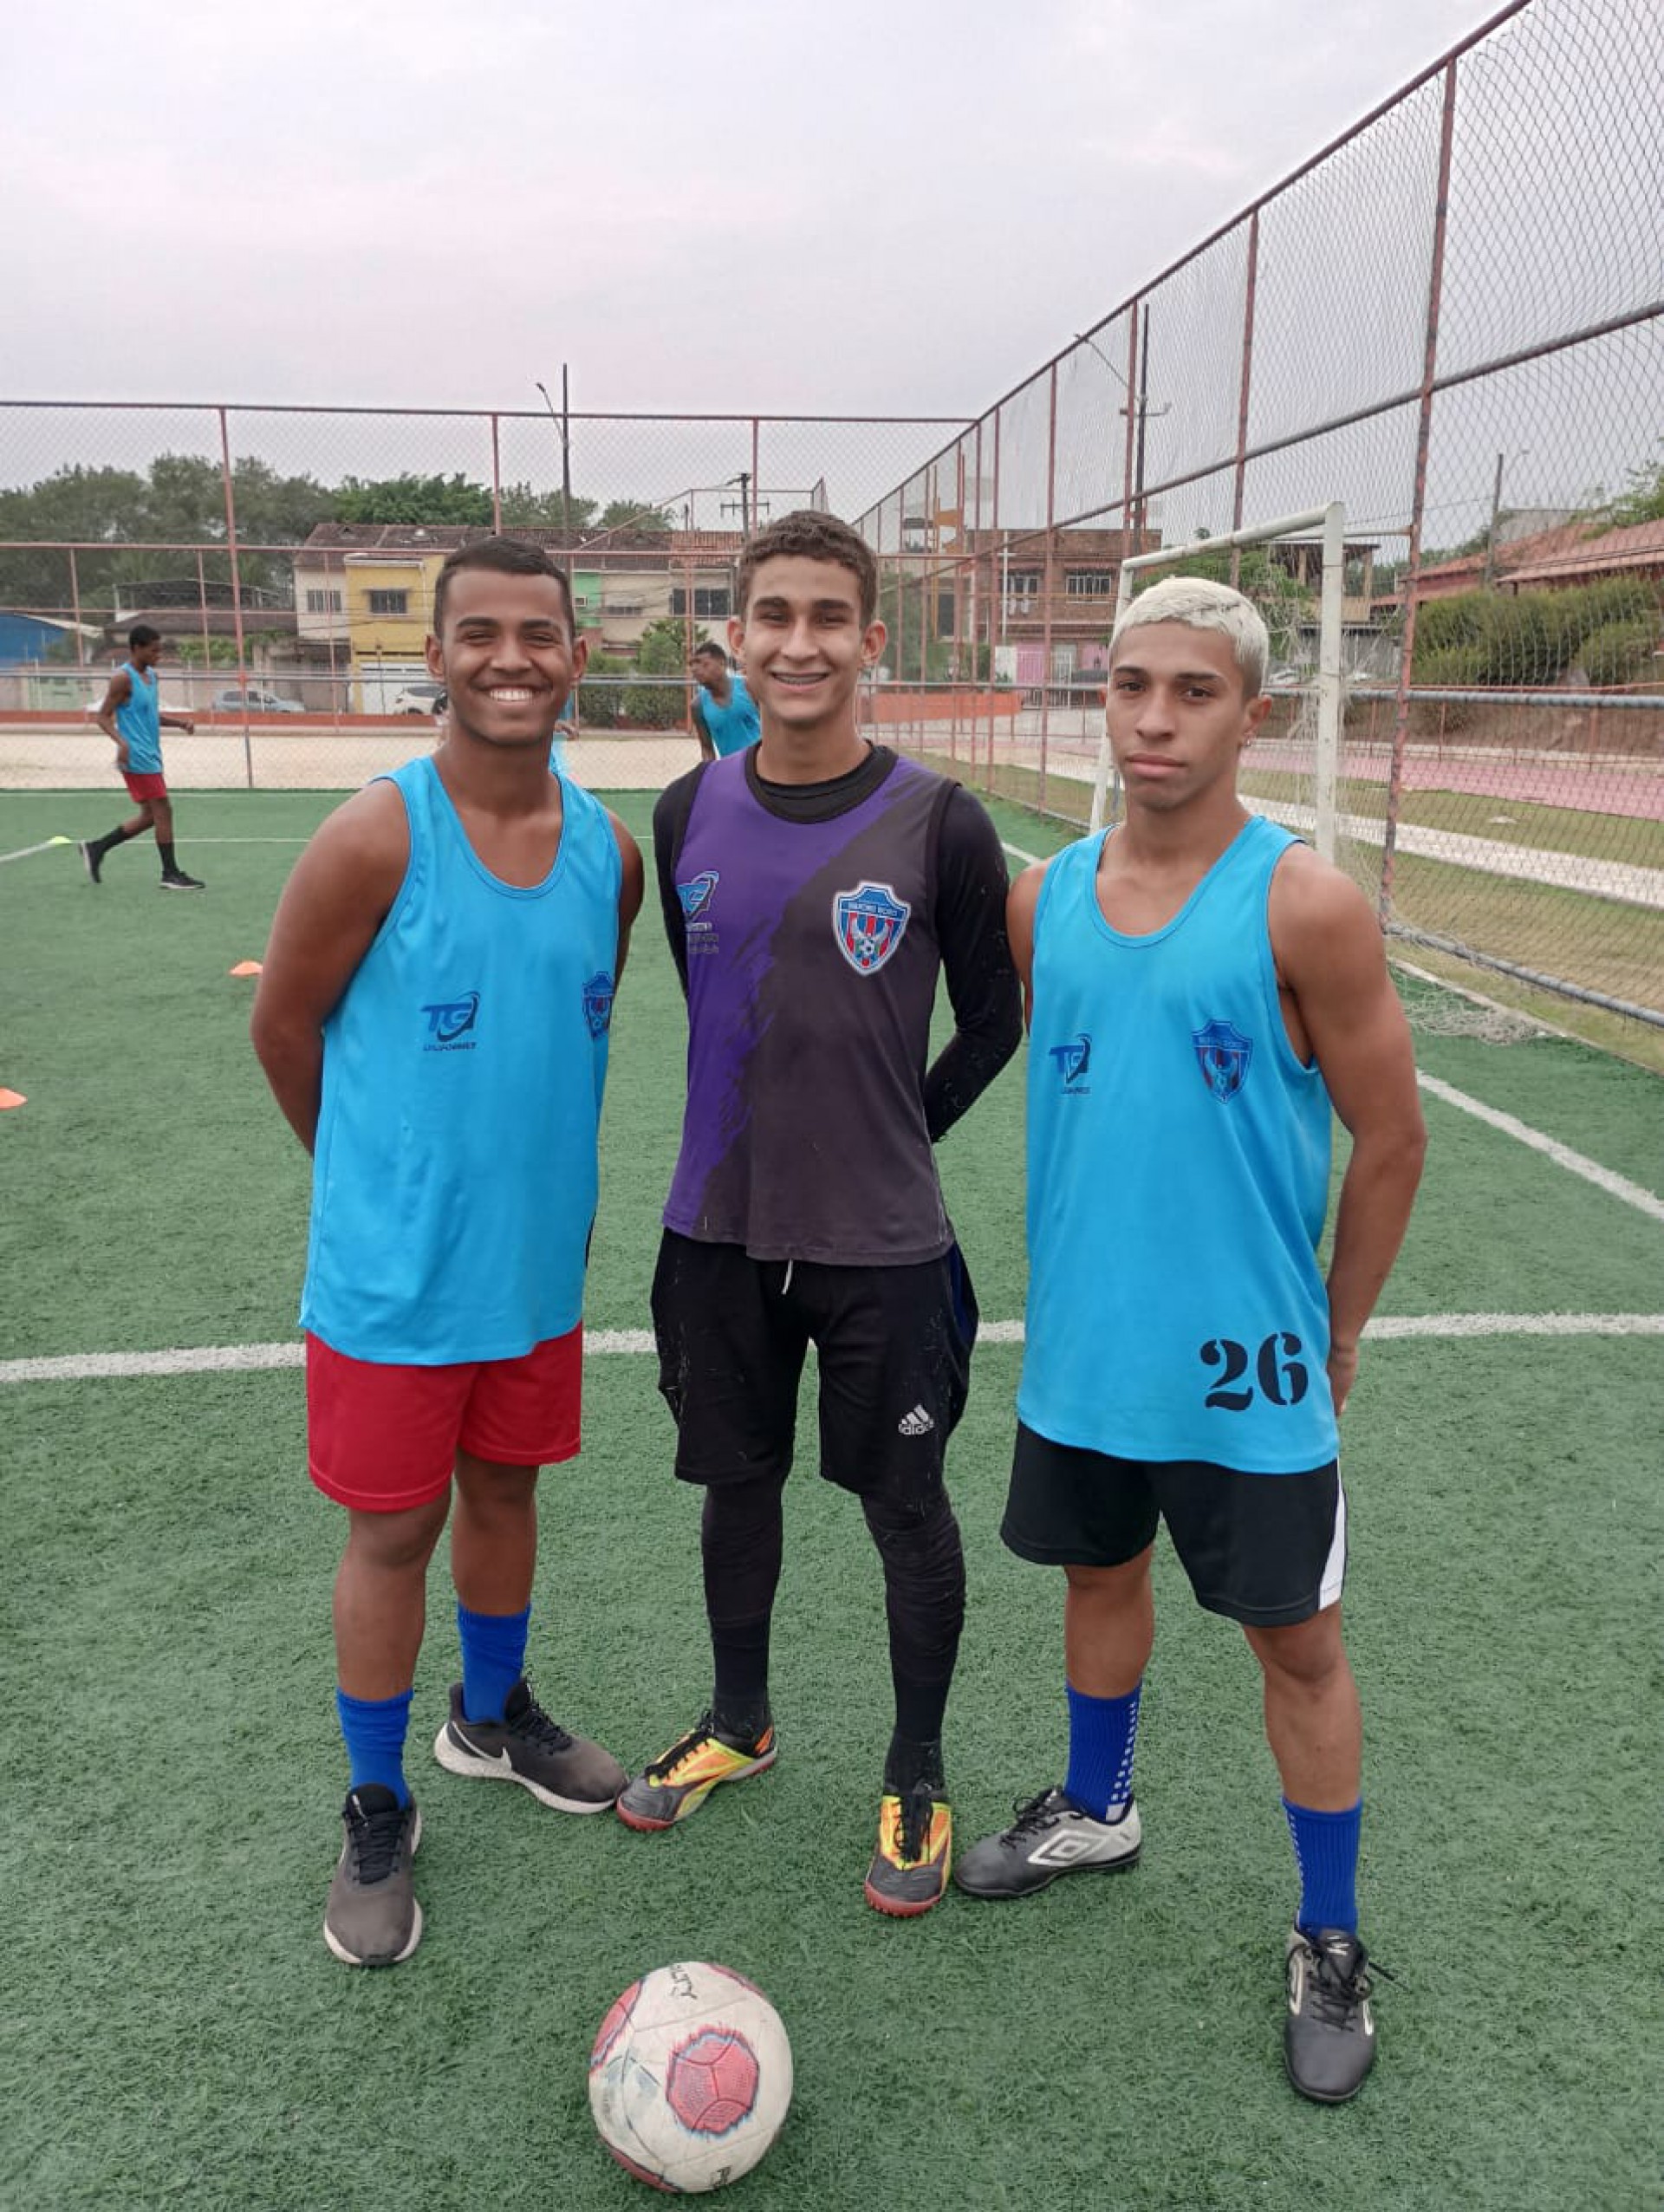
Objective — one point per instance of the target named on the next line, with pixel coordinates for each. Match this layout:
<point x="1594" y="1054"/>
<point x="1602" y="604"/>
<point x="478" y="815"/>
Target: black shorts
<point x="1265" y="1549"/>
<point x="894" y="1354"/>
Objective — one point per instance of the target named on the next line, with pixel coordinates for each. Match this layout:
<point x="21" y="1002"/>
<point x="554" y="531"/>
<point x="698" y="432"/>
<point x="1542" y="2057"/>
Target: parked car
<point x="421" y="697"/>
<point x="254" y="701"/>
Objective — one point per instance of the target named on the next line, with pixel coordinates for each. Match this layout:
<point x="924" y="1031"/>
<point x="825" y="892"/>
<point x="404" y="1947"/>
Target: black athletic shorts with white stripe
<point x="1268" y="1550"/>
<point x="893" y="1348"/>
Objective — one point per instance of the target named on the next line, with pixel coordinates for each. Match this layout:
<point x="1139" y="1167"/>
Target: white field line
<point x="46" y="845"/>
<point x="242" y="1359"/>
<point x="1616" y="1186"/>
<point x="1595" y="879"/>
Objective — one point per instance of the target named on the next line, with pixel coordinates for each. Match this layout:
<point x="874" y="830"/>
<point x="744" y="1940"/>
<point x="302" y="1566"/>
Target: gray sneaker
<point x="569" y="1772"/>
<point x="1329" y="2038"/>
<point x="373" y="1918"/>
<point x="1051" y="1836"/>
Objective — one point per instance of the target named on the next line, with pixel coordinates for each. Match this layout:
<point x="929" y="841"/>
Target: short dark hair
<point x="509" y="557"/>
<point x="142" y="633"/>
<point x="812" y="535"/>
<point x="708" y="645"/>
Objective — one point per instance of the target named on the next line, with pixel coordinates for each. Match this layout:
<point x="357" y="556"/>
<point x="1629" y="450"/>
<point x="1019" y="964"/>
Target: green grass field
<point x="177" y="2035"/>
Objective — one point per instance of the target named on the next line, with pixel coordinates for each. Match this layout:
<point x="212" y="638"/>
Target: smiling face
<point x="1179" y="715"/>
<point x="506" y="656"/>
<point x="802" y="644"/>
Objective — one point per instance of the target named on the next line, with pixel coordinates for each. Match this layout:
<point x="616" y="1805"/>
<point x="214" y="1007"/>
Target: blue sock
<point x="1326" y="1852"/>
<point x="493" y="1659"/>
<point x="375" y="1730"/>
<point x="1102" y="1736"/>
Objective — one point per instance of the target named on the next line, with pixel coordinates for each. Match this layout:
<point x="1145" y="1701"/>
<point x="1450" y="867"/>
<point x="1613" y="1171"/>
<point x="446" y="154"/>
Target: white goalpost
<point x="1323" y="689"/>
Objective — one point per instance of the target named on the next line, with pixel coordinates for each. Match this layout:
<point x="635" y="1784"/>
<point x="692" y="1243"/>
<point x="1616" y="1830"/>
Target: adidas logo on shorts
<point x="916" y="1423"/>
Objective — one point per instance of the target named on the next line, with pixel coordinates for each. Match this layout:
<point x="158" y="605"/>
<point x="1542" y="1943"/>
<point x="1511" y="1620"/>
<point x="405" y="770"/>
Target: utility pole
<point x="562" y="423"/>
<point x="1490" y="535"/>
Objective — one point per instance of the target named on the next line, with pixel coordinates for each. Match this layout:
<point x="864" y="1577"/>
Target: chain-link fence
<point x="289" y="558"/>
<point x="1452" y="322"/>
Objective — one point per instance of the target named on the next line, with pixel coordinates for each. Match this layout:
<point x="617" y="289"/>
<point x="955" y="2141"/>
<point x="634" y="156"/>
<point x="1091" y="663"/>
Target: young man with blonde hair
<point x="1202" y="992"/>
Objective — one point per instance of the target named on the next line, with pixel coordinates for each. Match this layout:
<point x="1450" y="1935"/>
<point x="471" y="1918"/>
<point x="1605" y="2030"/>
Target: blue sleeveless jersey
<point x="734" y="726"/>
<point x="1179" y="1162"/>
<point x="140" y="721"/>
<point x="454" y="1178"/>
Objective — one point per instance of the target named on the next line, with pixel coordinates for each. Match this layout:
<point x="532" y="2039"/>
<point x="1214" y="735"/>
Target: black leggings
<point x="741" y="1540"/>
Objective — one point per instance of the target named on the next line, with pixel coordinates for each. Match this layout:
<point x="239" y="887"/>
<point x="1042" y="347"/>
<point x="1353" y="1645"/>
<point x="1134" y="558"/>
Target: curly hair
<point x="811" y="535"/>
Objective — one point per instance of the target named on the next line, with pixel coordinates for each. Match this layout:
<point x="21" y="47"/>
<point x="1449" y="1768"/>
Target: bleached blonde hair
<point x="1201" y="604"/>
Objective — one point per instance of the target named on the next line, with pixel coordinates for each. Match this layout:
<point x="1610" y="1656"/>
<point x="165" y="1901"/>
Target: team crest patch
<point x="868" y="922"/>
<point x="598" y="1002"/>
<point x="1222" y="1054"/>
<point x="696" y="896"/>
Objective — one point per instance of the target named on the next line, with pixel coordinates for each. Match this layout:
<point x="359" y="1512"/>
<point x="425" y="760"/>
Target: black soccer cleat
<point x="1049" y="1836"/>
<point x="177" y="880"/>
<point x="1328" y="2039"/>
<point x="91" y="859"/>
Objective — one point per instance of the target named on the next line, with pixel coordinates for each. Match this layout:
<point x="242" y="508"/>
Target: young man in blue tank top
<point x="725" y="713"/>
<point x="132" y="718"/>
<point x="432" y="1018"/>
<point x="1201" y="988"/>
<point x="815" y="887"/>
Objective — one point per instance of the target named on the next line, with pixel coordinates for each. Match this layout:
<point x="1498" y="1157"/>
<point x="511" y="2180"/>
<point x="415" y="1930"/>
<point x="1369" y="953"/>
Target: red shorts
<point x="383" y="1439"/>
<point x="144" y="787"/>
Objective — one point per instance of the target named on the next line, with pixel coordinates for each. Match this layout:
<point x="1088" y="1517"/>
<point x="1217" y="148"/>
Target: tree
<point x="630" y="514"/>
<point x="662" y="653"/>
<point x="1642" y="503"/>
<point x="524" y="509"/>
<point x="413" y="499"/>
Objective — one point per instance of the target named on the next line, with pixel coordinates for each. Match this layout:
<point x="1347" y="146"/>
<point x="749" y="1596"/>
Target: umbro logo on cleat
<point x="1064" y="1849"/>
<point x="916" y="1423"/>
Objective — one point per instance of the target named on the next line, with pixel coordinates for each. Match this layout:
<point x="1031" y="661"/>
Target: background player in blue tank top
<point x="1200" y="986"/>
<point x="725" y="713"/>
<point x="132" y="718"/>
<point x="433" y="1019"/>
<point x="815" y="887"/>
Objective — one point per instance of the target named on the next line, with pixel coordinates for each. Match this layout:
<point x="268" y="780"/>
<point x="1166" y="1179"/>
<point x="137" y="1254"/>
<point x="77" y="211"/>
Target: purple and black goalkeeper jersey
<point x="810" y="923"/>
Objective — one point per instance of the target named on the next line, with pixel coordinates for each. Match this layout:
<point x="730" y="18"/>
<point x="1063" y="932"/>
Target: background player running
<point x="1201" y="989"/>
<point x="433" y="1020"/>
<point x="132" y="718"/>
<point x="814" y="887"/>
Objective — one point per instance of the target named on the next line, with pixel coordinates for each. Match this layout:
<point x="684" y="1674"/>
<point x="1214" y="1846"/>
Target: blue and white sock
<point x="375" y="1730"/>
<point x="1103" y="1737"/>
<point x="1326" y="1852"/>
<point x="493" y="1659"/>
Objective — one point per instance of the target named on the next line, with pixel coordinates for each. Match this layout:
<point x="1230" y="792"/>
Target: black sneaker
<point x="1328" y="2039"/>
<point x="1051" y="1836"/>
<point x="373" y="1918"/>
<point x="177" y="880"/>
<point x="91" y="859"/>
<point x="569" y="1772"/>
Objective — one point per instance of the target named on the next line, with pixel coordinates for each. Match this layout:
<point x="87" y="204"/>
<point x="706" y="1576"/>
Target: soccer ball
<point x="690" y="2077"/>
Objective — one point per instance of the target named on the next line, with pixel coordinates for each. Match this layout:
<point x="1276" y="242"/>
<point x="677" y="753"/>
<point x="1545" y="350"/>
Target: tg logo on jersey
<point x="868" y="922"/>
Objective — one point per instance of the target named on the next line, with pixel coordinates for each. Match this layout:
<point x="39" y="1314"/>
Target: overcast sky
<point x="860" y="208"/>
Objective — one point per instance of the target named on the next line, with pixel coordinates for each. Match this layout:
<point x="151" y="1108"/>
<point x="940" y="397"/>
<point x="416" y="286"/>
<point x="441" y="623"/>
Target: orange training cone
<point x="246" y="967"/>
<point x="11" y="1098"/>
